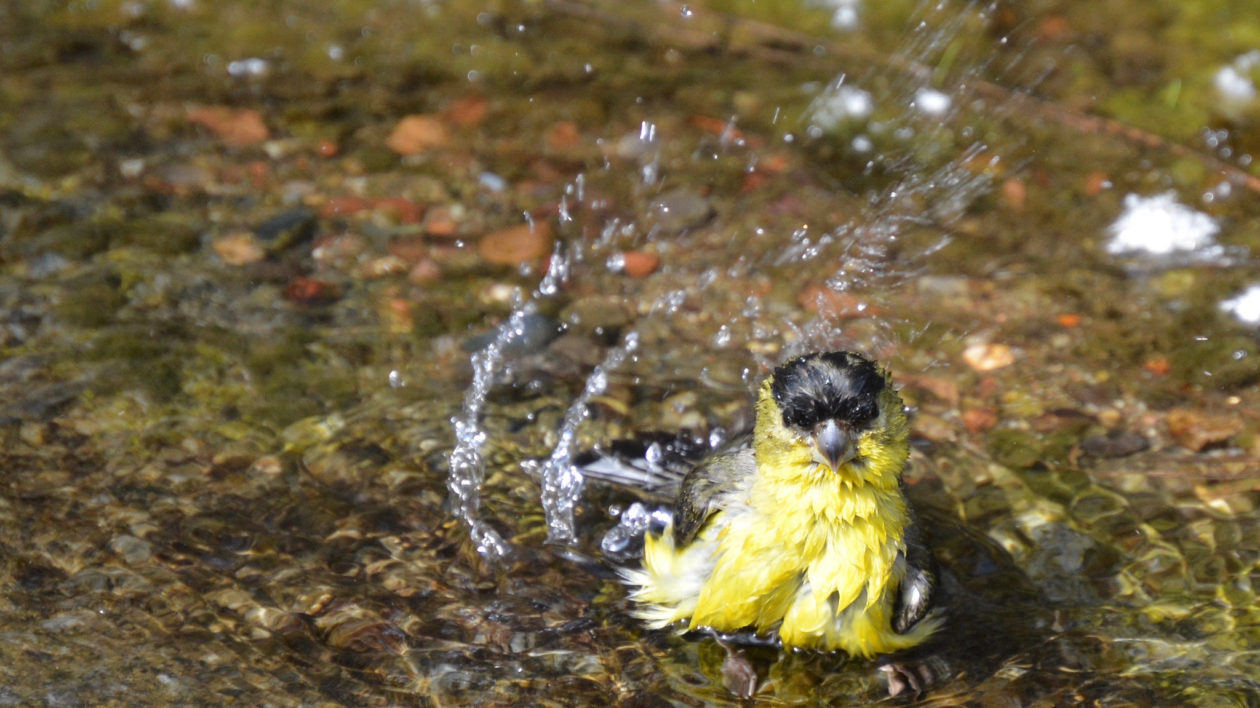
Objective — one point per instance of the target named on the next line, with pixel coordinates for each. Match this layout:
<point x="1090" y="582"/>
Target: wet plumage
<point x="801" y="533"/>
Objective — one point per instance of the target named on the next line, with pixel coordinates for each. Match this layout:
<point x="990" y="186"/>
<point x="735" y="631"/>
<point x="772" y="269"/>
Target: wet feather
<point x="769" y="537"/>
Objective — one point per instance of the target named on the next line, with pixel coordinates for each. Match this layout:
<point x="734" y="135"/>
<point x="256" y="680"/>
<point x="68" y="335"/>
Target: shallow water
<point x="245" y="305"/>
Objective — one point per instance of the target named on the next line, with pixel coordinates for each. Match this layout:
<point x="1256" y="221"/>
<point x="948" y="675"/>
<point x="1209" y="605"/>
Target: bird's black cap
<point x="842" y="386"/>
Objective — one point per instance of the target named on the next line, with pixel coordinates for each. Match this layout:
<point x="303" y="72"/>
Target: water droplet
<point x="492" y="182"/>
<point x="244" y="68"/>
<point x="723" y="336"/>
<point x="622" y="541"/>
<point x="647" y="132"/>
<point x="561" y="480"/>
<point x="717" y="437"/>
<point x="653" y="455"/>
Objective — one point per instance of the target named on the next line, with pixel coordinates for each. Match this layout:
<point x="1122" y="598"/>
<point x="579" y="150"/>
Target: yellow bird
<point x="801" y="535"/>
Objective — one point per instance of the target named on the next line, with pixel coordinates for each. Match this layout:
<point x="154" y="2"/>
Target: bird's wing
<point x="917" y="594"/>
<point x="651" y="464"/>
<point x="720" y="474"/>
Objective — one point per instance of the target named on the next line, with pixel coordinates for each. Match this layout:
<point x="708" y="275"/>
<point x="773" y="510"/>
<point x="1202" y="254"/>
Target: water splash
<point x="914" y="111"/>
<point x="561" y="479"/>
<point x="624" y="542"/>
<point x="467" y="466"/>
<point x="863" y="247"/>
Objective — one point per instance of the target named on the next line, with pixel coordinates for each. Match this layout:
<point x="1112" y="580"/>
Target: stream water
<point x="309" y="308"/>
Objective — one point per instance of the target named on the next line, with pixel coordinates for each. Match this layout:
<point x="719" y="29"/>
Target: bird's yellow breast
<point x="801" y="550"/>
<point x="810" y="558"/>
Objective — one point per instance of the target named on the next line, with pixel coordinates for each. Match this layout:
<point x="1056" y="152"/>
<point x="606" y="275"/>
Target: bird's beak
<point x="834" y="444"/>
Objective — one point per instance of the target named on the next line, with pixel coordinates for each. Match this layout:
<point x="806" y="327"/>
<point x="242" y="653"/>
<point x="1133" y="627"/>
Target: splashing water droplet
<point x="561" y="479"/>
<point x="557" y="273"/>
<point x="598" y="383"/>
<point x="624" y="541"/>
<point x="467" y="466"/>
<point x="717" y="437"/>
<point x="653" y="455"/>
<point x="616" y="262"/>
<point x="647" y="132"/>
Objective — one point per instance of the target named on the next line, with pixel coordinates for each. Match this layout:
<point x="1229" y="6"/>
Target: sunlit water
<point x="259" y="449"/>
<point x="886" y="116"/>
<point x="859" y="245"/>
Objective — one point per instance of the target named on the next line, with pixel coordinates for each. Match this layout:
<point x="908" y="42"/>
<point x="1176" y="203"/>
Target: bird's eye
<point x="864" y="412"/>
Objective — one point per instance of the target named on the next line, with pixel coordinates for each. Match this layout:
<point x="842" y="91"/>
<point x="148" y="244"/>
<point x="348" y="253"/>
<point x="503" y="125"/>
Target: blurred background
<point x="306" y="307"/>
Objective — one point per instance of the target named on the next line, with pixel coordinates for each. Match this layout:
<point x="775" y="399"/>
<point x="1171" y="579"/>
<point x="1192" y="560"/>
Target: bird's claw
<point x="912" y="677"/>
<point x="738" y="674"/>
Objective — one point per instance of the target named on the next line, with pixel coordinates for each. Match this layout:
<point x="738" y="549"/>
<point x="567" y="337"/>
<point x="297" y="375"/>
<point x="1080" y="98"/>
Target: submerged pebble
<point x="287" y="229"/>
<point x="529" y="333"/>
<point x="417" y="134"/>
<point x="1115" y="443"/>
<point x="636" y="264"/>
<point x="238" y="127"/>
<point x="238" y="249"/>
<point x="133" y="550"/>
<point x="516" y="244"/>
<point x="679" y="209"/>
<point x="986" y="356"/>
<point x="1196" y="430"/>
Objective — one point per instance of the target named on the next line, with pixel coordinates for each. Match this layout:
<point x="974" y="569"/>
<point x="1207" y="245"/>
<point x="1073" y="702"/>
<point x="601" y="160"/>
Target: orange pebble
<point x="516" y="244"/>
<point x="416" y="134"/>
<point x="1014" y="193"/>
<point x="639" y="264"/>
<point x="1069" y="320"/>
<point x="979" y="419"/>
<point x="1096" y="182"/>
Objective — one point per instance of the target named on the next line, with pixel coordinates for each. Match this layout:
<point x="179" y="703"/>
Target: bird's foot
<point x="913" y="677"/>
<point x="738" y="674"/>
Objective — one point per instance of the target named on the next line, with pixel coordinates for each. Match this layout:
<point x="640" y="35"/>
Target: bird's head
<point x="837" y="410"/>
